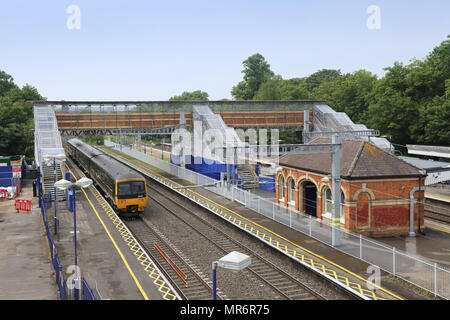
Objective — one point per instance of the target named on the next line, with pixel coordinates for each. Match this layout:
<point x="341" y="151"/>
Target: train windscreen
<point x="131" y="189"/>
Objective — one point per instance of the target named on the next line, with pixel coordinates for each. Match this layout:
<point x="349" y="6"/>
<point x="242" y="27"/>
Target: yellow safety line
<point x="431" y="226"/>
<point x="153" y="274"/>
<point x="115" y="244"/>
<point x="118" y="250"/>
<point x="337" y="277"/>
<point x="437" y="196"/>
<point x="310" y="252"/>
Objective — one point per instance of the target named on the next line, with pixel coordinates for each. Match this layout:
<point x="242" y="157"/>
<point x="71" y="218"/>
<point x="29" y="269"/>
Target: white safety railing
<point x="418" y="271"/>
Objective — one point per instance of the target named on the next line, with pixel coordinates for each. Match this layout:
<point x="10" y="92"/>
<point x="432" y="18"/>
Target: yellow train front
<point x="130" y="196"/>
<point x="123" y="187"/>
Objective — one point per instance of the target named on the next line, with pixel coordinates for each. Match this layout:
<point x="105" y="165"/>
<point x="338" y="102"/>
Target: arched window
<point x="281" y="188"/>
<point x="291" y="191"/>
<point x="329" y="206"/>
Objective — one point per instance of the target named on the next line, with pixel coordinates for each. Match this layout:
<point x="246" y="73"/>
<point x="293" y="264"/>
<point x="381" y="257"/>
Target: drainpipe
<point x="411" y="210"/>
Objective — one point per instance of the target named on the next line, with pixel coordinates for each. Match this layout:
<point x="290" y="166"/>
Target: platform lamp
<point x="63" y="185"/>
<point x="47" y="158"/>
<point x="234" y="262"/>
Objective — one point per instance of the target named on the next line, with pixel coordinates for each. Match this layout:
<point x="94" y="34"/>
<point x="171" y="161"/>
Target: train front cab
<point x="131" y="196"/>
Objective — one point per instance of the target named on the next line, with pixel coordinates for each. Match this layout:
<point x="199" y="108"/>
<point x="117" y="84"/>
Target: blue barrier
<point x="87" y="293"/>
<point x="269" y="184"/>
<point x="70" y="199"/>
<point x="209" y="167"/>
<point x="45" y="202"/>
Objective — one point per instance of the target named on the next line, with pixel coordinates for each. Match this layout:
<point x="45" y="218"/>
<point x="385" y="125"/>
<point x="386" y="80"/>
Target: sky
<point x="153" y="50"/>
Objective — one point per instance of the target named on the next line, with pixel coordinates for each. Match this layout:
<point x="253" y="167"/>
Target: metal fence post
<point x="393" y="261"/>
<point x="290" y="218"/>
<point x="273" y="211"/>
<point x="360" y="246"/>
<point x="310" y="225"/>
<point x="435" y="280"/>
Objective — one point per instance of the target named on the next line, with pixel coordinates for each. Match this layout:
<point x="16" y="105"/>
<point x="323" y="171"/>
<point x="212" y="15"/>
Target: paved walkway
<point x="25" y="268"/>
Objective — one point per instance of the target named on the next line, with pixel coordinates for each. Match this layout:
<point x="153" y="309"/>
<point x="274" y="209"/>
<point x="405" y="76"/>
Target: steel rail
<point x="186" y="293"/>
<point x="240" y="245"/>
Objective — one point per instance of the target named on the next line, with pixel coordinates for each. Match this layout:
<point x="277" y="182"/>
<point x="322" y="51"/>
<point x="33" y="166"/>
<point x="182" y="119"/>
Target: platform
<point x="349" y="271"/>
<point x="438" y="193"/>
<point x="107" y="254"/>
<point x="26" y="272"/>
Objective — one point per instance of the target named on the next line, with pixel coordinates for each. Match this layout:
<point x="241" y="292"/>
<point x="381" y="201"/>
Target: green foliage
<point x="95" y="140"/>
<point x="348" y="93"/>
<point x="256" y="72"/>
<point x="321" y="76"/>
<point x="6" y="83"/>
<point x="16" y="117"/>
<point x="279" y="89"/>
<point x="197" y="95"/>
<point x="411" y="102"/>
<point x="435" y="118"/>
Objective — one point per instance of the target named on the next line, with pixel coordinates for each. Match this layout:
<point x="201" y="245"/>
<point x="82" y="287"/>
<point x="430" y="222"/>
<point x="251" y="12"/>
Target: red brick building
<point x="375" y="188"/>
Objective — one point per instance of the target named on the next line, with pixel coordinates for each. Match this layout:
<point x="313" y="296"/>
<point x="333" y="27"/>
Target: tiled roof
<point x="360" y="159"/>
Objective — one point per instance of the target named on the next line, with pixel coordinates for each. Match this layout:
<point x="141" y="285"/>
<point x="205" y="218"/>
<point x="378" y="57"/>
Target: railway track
<point x="137" y="165"/>
<point x="185" y="277"/>
<point x="194" y="286"/>
<point x="272" y="276"/>
<point x="437" y="216"/>
<point x="437" y="211"/>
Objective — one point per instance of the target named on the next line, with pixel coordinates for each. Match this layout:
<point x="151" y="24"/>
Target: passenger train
<point x="123" y="187"/>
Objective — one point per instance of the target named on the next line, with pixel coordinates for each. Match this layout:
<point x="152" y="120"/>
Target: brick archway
<point x="308" y="194"/>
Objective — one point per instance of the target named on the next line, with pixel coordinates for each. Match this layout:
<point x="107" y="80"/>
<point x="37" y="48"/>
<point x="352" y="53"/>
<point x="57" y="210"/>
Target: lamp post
<point x="63" y="185"/>
<point x="47" y="158"/>
<point x="234" y="261"/>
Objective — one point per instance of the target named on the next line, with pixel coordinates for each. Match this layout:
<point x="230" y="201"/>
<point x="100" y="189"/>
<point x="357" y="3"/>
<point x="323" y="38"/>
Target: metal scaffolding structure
<point x="47" y="143"/>
<point x="47" y="139"/>
<point x="328" y="122"/>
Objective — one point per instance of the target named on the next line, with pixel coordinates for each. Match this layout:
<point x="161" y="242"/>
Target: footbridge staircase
<point x="47" y="145"/>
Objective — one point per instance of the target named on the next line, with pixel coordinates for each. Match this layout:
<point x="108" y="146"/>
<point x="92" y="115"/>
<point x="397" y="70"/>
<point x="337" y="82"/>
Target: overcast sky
<point x="152" y="50"/>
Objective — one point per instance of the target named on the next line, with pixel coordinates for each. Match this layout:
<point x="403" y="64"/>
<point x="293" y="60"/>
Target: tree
<point x="16" y="117"/>
<point x="390" y="109"/>
<point x="256" y="72"/>
<point x="279" y="89"/>
<point x="435" y="118"/>
<point x="270" y="90"/>
<point x="321" y="76"/>
<point x="348" y="93"/>
<point x="6" y="83"/>
<point x="197" y="95"/>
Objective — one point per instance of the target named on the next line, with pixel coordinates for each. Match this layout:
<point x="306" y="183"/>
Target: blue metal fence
<point x="87" y="293"/>
<point x="45" y="203"/>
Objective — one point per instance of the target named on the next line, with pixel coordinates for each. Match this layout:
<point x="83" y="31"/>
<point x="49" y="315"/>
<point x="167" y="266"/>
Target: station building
<point x="375" y="188"/>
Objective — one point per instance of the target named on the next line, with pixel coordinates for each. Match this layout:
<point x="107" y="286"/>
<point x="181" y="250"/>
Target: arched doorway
<point x="363" y="210"/>
<point x="309" y="191"/>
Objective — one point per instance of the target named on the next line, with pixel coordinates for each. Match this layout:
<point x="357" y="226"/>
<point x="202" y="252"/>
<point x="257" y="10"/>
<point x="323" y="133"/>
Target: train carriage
<point x="124" y="188"/>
